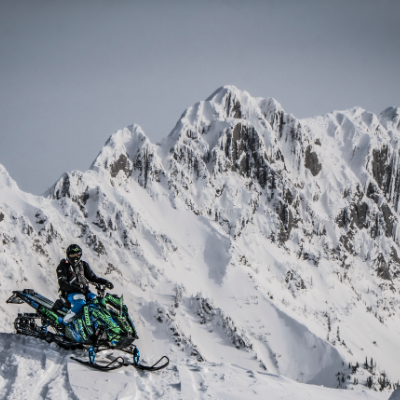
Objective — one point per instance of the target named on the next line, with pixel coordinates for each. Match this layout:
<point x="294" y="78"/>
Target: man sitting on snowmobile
<point x="74" y="276"/>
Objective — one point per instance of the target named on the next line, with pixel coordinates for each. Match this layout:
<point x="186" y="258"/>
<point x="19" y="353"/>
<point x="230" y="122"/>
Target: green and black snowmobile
<point x="103" y="324"/>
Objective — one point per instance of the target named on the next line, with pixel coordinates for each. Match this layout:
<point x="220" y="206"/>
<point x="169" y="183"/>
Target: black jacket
<point x="76" y="279"/>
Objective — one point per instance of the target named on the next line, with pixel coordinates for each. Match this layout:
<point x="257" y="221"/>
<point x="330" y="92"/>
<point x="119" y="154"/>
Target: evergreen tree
<point x="369" y="382"/>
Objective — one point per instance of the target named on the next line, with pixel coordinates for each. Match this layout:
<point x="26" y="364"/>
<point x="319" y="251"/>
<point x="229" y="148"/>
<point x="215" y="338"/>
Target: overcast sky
<point x="73" y="72"/>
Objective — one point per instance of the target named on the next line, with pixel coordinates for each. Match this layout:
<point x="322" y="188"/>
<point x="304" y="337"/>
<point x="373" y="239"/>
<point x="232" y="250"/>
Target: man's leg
<point x="77" y="301"/>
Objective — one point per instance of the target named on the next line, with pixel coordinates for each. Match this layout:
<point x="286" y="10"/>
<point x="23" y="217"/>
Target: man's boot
<point x="69" y="317"/>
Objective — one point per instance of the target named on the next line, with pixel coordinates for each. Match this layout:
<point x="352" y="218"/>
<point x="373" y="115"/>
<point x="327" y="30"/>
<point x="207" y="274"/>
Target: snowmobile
<point x="103" y="324"/>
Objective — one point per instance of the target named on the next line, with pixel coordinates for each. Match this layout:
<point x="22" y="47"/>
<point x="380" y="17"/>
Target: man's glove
<point x="85" y="290"/>
<point x="109" y="285"/>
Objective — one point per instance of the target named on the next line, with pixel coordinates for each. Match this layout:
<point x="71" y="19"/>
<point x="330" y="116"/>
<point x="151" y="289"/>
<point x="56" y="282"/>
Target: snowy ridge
<point x="246" y="236"/>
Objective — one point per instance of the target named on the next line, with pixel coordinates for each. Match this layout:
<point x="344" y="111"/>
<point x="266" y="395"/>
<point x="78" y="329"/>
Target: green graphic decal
<point x="79" y="327"/>
<point x="86" y="315"/>
<point x="49" y="314"/>
<point x="113" y="300"/>
<point x="105" y="318"/>
<point x="68" y="333"/>
<point x="87" y="322"/>
<point x="125" y="325"/>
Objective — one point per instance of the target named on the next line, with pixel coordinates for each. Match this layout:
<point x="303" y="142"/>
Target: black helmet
<point x="74" y="254"/>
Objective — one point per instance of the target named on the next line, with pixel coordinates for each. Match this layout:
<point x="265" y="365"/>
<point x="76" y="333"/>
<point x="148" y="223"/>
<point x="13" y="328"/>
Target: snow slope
<point x="33" y="370"/>
<point x="245" y="238"/>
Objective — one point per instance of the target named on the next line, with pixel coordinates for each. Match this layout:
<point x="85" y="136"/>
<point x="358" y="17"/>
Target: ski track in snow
<point x="31" y="369"/>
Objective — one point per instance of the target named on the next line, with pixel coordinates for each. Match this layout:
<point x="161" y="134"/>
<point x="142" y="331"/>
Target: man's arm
<point x="91" y="276"/>
<point x="63" y="278"/>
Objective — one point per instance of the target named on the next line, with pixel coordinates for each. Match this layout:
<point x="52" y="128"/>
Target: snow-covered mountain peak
<point x="5" y="179"/>
<point x="230" y="102"/>
<point x="223" y="104"/>
<point x="120" y="148"/>
<point x="227" y="104"/>
<point x="223" y="90"/>
<point x="127" y="154"/>
<point x="220" y="142"/>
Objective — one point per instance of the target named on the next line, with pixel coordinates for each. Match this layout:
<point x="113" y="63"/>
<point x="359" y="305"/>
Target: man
<point x="74" y="276"/>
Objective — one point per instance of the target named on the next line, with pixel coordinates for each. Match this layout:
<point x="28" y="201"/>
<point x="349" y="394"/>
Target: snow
<point x="257" y="251"/>
<point x="31" y="369"/>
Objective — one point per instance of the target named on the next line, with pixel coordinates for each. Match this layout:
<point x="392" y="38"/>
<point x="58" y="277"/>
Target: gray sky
<point x="73" y="72"/>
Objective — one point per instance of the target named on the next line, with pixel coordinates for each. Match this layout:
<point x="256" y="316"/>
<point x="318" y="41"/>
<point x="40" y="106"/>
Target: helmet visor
<point x="75" y="256"/>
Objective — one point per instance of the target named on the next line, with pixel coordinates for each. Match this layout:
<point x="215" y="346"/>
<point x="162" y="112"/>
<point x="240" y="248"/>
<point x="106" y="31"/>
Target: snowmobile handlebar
<point x="101" y="289"/>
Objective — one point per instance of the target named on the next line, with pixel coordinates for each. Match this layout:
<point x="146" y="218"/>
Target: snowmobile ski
<point x="136" y="361"/>
<point x="153" y="367"/>
<point x="119" y="362"/>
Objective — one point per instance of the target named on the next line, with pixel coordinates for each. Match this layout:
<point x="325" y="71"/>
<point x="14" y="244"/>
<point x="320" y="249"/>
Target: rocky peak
<point x="271" y="110"/>
<point x="120" y="150"/>
<point x="230" y="100"/>
<point x="129" y="153"/>
<point x="390" y="119"/>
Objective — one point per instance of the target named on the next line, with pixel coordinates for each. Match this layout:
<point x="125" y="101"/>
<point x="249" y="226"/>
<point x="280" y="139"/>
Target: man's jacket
<point x="76" y="279"/>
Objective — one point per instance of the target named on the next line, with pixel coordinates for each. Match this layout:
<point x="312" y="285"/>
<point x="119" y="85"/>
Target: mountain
<point x="246" y="236"/>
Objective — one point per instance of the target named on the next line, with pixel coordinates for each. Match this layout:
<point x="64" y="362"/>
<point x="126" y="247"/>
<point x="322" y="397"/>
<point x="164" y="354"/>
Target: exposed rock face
<point x="122" y="164"/>
<point x="381" y="170"/>
<point x="129" y="153"/>
<point x="281" y="162"/>
<point x="233" y="147"/>
<point x="312" y="162"/>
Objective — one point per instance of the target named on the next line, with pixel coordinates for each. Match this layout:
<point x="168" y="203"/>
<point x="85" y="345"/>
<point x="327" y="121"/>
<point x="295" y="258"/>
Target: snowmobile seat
<point x="29" y="291"/>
